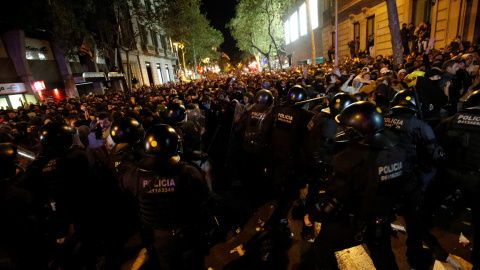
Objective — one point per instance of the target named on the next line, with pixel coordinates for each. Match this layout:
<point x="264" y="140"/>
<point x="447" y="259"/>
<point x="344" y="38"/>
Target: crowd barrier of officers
<point x="89" y="184"/>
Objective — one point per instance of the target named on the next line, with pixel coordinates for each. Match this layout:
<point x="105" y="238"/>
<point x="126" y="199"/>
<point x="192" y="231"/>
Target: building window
<point x="356" y="30"/>
<point x="294" y="26"/>
<point x="159" y="73"/>
<point x="370" y="25"/>
<point x="168" y="72"/>
<point x="287" y="32"/>
<point x="370" y="30"/>
<point x="314" y="13"/>
<point x="422" y="11"/>
<point x="303" y="19"/>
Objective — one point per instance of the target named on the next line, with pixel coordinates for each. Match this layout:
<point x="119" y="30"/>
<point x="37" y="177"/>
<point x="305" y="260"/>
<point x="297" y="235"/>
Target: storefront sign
<point x="36" y="49"/>
<point x="12" y="88"/>
<point x="38" y="85"/>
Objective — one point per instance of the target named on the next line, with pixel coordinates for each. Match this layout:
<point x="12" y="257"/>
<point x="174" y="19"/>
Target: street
<point x="448" y="226"/>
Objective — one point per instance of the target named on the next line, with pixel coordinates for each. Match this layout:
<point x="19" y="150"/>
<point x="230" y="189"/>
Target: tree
<point x="183" y="21"/>
<point x="394" y="26"/>
<point x="258" y="26"/>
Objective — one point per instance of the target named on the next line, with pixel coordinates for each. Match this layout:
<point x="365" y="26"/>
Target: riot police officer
<point x="319" y="147"/>
<point x="252" y="128"/>
<point x="65" y="196"/>
<point x="287" y="131"/>
<point x="416" y="137"/>
<point x="422" y="153"/>
<point x="172" y="196"/>
<point x="127" y="133"/>
<point x="459" y="136"/>
<point x="20" y="245"/>
<point x="366" y="178"/>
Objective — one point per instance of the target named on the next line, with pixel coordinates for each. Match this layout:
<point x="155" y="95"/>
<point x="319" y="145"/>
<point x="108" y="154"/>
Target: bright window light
<point x="303" y="19"/>
<point x="287" y="32"/>
<point x="314" y="13"/>
<point x="294" y="26"/>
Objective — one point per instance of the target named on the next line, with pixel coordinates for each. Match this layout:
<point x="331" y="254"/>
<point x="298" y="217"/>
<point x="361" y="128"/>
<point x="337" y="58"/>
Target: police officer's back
<point x="359" y="199"/>
<point x="127" y="133"/>
<point x="289" y="126"/>
<point x="459" y="136"/>
<point x="64" y="190"/>
<point x="19" y="238"/>
<point x="416" y="136"/>
<point x="172" y="196"/>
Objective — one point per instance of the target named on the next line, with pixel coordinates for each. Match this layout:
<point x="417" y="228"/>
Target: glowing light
<point x="303" y="19"/>
<point x="287" y="32"/>
<point x="38" y="85"/>
<point x="154" y="143"/>
<point x="408" y="98"/>
<point x="56" y="91"/>
<point x="294" y="26"/>
<point x="314" y="13"/>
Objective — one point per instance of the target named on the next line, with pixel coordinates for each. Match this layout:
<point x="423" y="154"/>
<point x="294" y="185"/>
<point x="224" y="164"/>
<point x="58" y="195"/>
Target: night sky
<point x="220" y="12"/>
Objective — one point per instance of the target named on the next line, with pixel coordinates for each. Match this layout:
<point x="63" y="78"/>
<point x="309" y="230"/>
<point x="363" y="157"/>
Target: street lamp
<point x="181" y="46"/>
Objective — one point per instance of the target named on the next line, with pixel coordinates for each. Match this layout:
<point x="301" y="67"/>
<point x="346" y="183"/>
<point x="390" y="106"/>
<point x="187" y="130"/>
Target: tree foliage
<point x="258" y="27"/>
<point x="183" y="21"/>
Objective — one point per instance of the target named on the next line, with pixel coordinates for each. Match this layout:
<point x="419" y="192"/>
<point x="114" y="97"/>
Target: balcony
<point x="148" y="49"/>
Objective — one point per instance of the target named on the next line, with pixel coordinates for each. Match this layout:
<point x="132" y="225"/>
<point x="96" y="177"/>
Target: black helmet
<point x="364" y="120"/>
<point x="56" y="138"/>
<point x="175" y="113"/>
<point x="264" y="97"/>
<point x="473" y="101"/>
<point x="404" y="99"/>
<point x="296" y="93"/>
<point x="339" y="102"/>
<point x="161" y="144"/>
<point x="279" y="86"/>
<point x="8" y="153"/>
<point x="125" y="132"/>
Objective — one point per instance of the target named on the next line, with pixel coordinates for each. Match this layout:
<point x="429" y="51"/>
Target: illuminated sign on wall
<point x="38" y="85"/>
<point x="12" y="88"/>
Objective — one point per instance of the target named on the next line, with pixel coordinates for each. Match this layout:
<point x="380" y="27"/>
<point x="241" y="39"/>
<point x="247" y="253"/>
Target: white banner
<point x="12" y="88"/>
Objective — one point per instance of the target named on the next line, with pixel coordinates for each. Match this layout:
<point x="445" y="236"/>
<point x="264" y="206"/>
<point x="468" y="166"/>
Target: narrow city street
<point x="448" y="226"/>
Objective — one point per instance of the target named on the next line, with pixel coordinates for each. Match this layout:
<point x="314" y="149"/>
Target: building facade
<point x="362" y="18"/>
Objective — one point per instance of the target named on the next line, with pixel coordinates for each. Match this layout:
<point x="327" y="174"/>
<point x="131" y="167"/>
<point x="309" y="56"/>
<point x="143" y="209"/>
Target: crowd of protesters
<point x="442" y="79"/>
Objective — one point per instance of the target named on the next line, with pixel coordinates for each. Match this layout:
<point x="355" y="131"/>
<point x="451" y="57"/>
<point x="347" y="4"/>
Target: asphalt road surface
<point x="452" y="219"/>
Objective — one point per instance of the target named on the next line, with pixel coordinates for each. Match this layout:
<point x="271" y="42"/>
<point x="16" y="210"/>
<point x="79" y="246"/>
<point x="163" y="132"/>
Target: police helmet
<point x="363" y="121"/>
<point x="8" y="152"/>
<point x="339" y="102"/>
<point x="125" y="132"/>
<point x="175" y="113"/>
<point x="56" y="138"/>
<point x="404" y="100"/>
<point x="264" y="97"/>
<point x="161" y="144"/>
<point x="296" y="93"/>
<point x="473" y="101"/>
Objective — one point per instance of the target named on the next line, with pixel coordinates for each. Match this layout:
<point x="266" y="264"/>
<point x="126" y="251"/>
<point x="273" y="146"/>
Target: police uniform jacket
<point x="363" y="182"/>
<point x="168" y="199"/>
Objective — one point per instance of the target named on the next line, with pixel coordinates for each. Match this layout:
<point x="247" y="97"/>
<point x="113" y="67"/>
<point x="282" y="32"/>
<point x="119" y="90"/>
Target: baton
<point x="310" y="100"/>
<point x="419" y="108"/>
